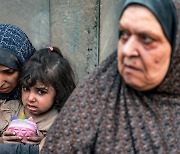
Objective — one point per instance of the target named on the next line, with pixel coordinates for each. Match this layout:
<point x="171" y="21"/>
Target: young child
<point x="47" y="80"/>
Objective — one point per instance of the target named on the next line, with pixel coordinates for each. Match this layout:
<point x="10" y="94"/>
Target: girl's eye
<point x="123" y="34"/>
<point x="25" y="88"/>
<point x="41" y="92"/>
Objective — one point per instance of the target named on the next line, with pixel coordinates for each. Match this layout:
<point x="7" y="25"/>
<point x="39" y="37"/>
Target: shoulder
<point x="7" y="110"/>
<point x="45" y="122"/>
<point x="11" y="105"/>
<point x="106" y="66"/>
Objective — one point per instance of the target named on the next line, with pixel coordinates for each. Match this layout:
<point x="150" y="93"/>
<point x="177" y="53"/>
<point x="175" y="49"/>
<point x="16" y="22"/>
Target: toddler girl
<point x="47" y="80"/>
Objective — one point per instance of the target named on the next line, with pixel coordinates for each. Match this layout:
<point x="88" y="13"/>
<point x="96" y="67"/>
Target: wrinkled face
<point x="8" y="79"/>
<point x="37" y="99"/>
<point x="143" y="50"/>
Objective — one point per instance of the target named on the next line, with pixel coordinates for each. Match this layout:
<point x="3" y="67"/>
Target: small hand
<point x="10" y="137"/>
<point x="33" y="139"/>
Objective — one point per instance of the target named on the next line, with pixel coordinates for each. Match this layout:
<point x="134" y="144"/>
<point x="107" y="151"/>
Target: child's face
<point x="37" y="99"/>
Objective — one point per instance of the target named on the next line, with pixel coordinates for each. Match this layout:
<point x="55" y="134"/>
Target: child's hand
<point x="33" y="139"/>
<point x="10" y="137"/>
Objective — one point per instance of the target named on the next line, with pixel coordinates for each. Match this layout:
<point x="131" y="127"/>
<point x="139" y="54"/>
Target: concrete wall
<point x="109" y="27"/>
<point x="32" y="16"/>
<point x="74" y="30"/>
<point x="85" y="30"/>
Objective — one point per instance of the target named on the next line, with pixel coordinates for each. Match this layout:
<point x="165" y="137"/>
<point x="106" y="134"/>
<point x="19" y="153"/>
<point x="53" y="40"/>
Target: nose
<point x="130" y="47"/>
<point x="31" y="97"/>
<point x="2" y="81"/>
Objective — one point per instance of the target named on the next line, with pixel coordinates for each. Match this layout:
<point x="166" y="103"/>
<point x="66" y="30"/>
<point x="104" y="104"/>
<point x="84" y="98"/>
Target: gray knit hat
<point x="15" y="46"/>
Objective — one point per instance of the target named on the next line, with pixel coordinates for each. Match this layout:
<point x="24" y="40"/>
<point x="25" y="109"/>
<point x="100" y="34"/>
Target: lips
<point x="4" y="90"/>
<point x="131" y="67"/>
<point x="31" y="107"/>
<point x="130" y="64"/>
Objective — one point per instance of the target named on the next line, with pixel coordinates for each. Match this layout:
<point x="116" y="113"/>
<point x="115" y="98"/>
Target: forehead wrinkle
<point x="144" y="18"/>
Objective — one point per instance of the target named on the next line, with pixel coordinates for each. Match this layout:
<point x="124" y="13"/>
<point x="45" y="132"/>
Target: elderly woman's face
<point x="143" y="50"/>
<point x="8" y="79"/>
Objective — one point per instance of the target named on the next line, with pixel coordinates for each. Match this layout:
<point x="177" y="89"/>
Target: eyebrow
<point x="148" y="32"/>
<point x="42" y="87"/>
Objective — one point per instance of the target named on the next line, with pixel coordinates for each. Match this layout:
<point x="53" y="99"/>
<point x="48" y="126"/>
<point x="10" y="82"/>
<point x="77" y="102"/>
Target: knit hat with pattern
<point x="15" y="46"/>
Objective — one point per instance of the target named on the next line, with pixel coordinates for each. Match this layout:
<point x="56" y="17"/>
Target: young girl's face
<point x="37" y="99"/>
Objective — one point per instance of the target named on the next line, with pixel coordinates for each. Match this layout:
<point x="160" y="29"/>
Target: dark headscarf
<point x="15" y="49"/>
<point x="104" y="115"/>
<point x="15" y="46"/>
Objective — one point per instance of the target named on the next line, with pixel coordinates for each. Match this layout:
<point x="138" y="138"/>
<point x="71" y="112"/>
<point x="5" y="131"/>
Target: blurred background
<point x="86" y="31"/>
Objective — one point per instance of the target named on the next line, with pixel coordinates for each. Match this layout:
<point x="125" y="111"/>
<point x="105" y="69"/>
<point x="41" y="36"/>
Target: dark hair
<point x="49" y="67"/>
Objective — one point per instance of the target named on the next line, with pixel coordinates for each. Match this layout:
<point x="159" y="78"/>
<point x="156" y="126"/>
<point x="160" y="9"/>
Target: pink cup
<point x="24" y="128"/>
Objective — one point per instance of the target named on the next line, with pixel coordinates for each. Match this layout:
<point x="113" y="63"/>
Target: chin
<point x="136" y="85"/>
<point x="139" y="84"/>
<point x="141" y="87"/>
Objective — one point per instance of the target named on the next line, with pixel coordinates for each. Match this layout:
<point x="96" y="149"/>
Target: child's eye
<point x="41" y="92"/>
<point x="25" y="88"/>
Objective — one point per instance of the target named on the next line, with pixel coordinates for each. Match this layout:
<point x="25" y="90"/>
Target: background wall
<point x="32" y="16"/>
<point x="85" y="30"/>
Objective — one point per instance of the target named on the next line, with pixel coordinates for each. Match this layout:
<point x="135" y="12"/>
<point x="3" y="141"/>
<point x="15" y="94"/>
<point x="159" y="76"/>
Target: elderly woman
<point x="131" y="102"/>
<point x="15" y="49"/>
